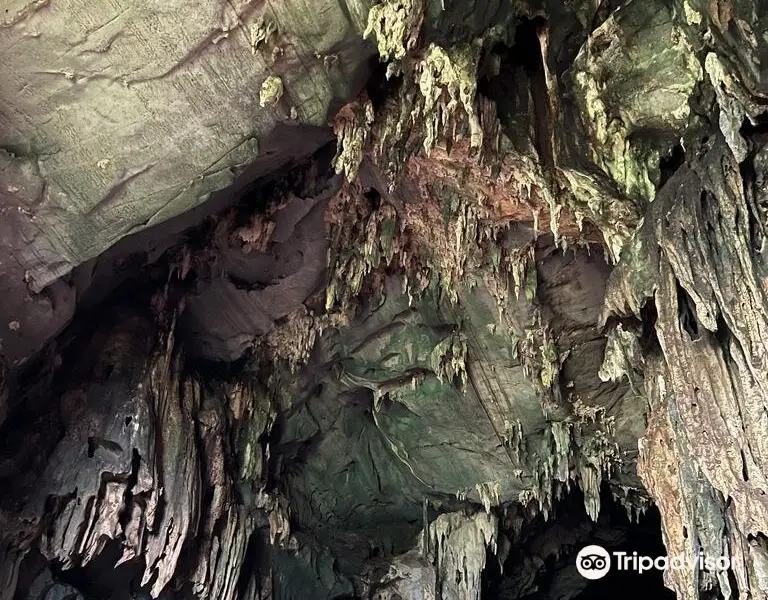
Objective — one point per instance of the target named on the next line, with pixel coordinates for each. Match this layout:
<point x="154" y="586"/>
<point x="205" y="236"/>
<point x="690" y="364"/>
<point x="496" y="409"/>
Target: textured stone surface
<point x="708" y="293"/>
<point x="524" y="295"/>
<point x="153" y="485"/>
<point x="118" y="116"/>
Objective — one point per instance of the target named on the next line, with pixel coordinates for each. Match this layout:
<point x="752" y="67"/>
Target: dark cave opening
<point x="670" y="163"/>
<point x="541" y="564"/>
<point x="758" y="126"/>
<point x="686" y="308"/>
<point x="379" y="87"/>
<point x="102" y="578"/>
<point x="513" y="77"/>
<point x="643" y="537"/>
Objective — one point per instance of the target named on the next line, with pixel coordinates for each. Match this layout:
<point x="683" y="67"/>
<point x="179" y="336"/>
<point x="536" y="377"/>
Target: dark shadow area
<point x="670" y="163"/>
<point x="541" y="564"/>
<point x="514" y="78"/>
<point x="643" y="537"/>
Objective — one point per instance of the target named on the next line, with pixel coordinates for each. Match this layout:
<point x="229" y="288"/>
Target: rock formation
<point x="407" y="299"/>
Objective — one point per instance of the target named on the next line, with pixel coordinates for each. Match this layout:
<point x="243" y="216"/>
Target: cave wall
<point x="473" y="259"/>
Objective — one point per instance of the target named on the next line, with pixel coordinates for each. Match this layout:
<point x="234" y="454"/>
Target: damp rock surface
<point x="406" y="299"/>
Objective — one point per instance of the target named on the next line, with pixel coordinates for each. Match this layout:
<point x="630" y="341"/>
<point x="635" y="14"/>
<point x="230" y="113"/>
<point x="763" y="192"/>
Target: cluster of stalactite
<point x="155" y="467"/>
<point x="153" y="459"/>
<point x="698" y="265"/>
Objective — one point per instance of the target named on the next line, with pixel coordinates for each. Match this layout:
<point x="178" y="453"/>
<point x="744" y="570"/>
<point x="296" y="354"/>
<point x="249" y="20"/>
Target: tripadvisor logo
<point x="594" y="562"/>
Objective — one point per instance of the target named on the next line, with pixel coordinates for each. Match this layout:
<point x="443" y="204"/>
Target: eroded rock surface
<point x="282" y="322"/>
<point x="119" y="116"/>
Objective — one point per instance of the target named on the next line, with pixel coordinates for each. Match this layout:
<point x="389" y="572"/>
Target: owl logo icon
<point x="593" y="562"/>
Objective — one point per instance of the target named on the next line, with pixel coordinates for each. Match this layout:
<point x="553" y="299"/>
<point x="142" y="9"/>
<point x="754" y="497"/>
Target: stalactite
<point x="458" y="547"/>
<point x="352" y="127"/>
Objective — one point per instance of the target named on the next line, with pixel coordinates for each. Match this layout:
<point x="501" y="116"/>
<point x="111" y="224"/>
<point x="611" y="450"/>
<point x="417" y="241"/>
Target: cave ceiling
<point x="400" y="300"/>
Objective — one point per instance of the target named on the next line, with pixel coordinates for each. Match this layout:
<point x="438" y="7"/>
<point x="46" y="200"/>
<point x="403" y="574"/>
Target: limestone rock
<point x="119" y="116"/>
